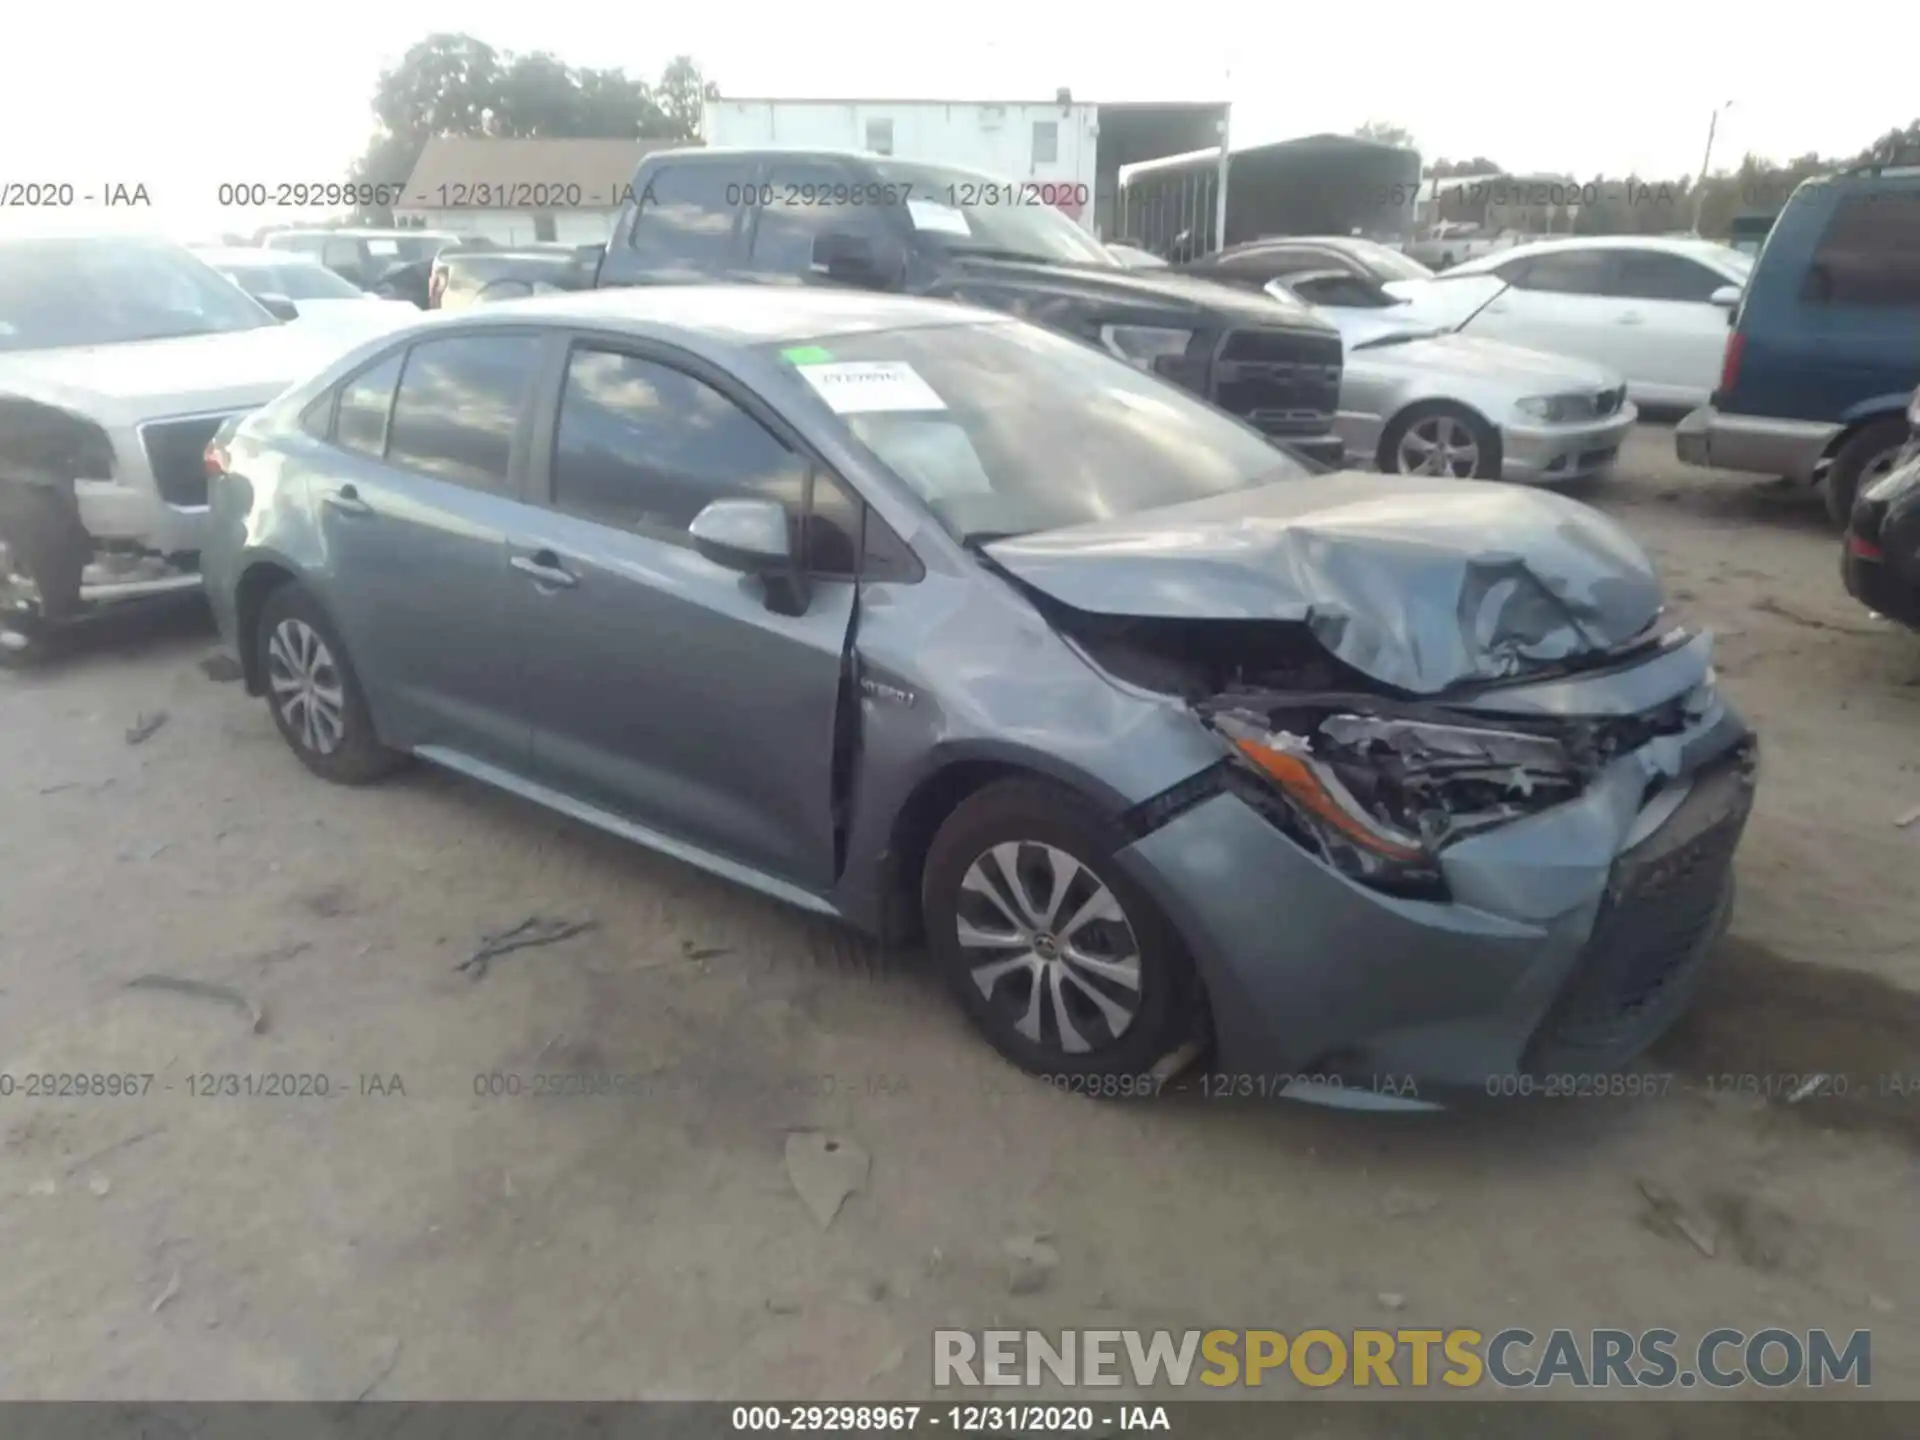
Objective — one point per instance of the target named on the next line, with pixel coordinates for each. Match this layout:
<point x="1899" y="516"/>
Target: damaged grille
<point x="1282" y="382"/>
<point x="1664" y="903"/>
<point x="174" y="452"/>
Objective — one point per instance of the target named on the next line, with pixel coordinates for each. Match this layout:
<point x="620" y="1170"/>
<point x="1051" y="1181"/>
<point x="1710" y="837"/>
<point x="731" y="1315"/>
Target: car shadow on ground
<point x="115" y="635"/>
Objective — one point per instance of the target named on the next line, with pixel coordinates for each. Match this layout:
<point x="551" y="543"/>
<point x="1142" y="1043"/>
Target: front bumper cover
<point x="1573" y="938"/>
<point x="1577" y="451"/>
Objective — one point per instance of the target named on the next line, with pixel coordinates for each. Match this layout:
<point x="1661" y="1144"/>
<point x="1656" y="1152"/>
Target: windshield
<point x="106" y="291"/>
<point x="963" y="211"/>
<point x="1005" y="429"/>
<point x="1739" y="261"/>
<point x="295" y="281"/>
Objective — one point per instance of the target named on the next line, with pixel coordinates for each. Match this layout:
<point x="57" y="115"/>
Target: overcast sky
<point x="182" y="98"/>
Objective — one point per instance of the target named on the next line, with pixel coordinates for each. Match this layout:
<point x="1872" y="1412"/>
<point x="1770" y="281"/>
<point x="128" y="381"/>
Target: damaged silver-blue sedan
<point x="951" y="627"/>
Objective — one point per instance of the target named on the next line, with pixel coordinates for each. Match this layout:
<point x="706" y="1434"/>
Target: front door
<point x="415" y="526"/>
<point x="664" y="688"/>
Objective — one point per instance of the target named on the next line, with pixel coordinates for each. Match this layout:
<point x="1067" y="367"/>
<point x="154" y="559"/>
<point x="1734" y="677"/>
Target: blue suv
<point x="1824" y="346"/>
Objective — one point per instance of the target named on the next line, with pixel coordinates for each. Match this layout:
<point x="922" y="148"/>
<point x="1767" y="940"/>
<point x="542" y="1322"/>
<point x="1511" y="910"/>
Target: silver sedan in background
<point x="1418" y="399"/>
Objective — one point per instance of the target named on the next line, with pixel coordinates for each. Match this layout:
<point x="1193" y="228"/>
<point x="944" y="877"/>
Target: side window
<point x="1649" y="275"/>
<point x="544" y="229"/>
<point x="1046" y="142"/>
<point x="687" y="214"/>
<point x="458" y="403"/>
<point x="360" y="422"/>
<point x="1565" y="272"/>
<point x="801" y="203"/>
<point x="645" y="447"/>
<point x="1870" y="253"/>
<point x="880" y="135"/>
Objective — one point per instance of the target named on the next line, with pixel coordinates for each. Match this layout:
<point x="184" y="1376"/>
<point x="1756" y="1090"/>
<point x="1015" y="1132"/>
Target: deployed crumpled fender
<point x="1422" y="585"/>
<point x="42" y="449"/>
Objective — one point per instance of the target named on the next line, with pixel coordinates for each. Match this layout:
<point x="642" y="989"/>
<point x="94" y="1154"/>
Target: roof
<point x="1711" y="252"/>
<point x="736" y="314"/>
<point x="1349" y="144"/>
<point x="243" y="255"/>
<point x="362" y="232"/>
<point x="600" y="169"/>
<point x="975" y="104"/>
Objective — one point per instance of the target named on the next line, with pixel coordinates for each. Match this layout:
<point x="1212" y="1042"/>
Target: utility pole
<point x="1700" y="189"/>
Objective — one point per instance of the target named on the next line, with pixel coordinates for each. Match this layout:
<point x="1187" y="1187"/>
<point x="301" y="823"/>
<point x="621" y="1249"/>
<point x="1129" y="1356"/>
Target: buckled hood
<point x="1421" y="584"/>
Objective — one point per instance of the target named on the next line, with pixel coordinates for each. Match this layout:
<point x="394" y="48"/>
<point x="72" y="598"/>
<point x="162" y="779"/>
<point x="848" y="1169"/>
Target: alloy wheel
<point x="1438" y="445"/>
<point x="307" y="687"/>
<point x="1048" y="944"/>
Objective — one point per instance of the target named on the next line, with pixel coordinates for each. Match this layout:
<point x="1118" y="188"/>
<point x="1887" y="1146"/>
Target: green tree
<point x="1386" y="132"/>
<point x="457" y="85"/>
<point x="683" y="93"/>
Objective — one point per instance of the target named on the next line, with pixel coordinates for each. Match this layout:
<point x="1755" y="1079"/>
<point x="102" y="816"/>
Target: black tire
<point x="355" y="756"/>
<point x="46" y="542"/>
<point x="1167" y="1008"/>
<point x="1851" y="460"/>
<point x="1486" y="439"/>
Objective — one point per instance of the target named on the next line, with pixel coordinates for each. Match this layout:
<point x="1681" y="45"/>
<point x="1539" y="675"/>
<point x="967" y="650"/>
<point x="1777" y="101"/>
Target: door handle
<point x="348" y="502"/>
<point x="1630" y="318"/>
<point x="544" y="566"/>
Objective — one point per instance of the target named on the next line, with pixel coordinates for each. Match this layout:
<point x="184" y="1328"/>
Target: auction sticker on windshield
<point x="932" y="215"/>
<point x="864" y="387"/>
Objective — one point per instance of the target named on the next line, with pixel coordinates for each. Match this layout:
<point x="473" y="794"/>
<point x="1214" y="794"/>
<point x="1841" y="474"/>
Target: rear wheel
<point x="1441" y="440"/>
<point x="1871" y="452"/>
<point x="315" y="698"/>
<point x="1065" y="965"/>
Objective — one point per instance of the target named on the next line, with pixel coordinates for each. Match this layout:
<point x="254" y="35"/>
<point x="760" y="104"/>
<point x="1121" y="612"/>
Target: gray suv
<point x="940" y="623"/>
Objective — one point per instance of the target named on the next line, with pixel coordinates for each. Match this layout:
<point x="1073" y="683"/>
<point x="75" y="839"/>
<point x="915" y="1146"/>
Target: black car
<point x="1256" y="263"/>
<point x="1881" y="560"/>
<point x="819" y="217"/>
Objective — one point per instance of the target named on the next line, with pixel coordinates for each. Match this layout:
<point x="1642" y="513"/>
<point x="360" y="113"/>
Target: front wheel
<point x="1065" y="965"/>
<point x="1867" y="455"/>
<point x="1445" y="440"/>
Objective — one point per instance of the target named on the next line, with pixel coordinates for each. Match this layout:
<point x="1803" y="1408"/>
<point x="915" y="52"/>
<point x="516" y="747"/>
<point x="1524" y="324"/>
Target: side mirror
<point x="1726" y="297"/>
<point x="754" y="537"/>
<point x="856" y="260"/>
<point x="279" y="306"/>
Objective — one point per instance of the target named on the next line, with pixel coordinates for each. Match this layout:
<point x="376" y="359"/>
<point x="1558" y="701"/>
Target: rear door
<point x="416" y="526"/>
<point x="1672" y="336"/>
<point x="665" y="690"/>
<point x="799" y="201"/>
<point x="1560" y="302"/>
<point x="685" y="224"/>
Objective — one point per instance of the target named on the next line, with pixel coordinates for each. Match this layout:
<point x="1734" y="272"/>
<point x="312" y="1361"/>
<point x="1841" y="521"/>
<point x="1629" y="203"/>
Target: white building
<point x="1071" y="150"/>
<point x="517" y="192"/>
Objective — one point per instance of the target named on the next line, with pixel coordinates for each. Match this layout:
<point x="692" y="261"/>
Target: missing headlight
<point x="1382" y="797"/>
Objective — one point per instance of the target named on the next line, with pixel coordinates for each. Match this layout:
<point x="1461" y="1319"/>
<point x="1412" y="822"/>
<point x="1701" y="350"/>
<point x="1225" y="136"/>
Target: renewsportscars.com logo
<point x="1415" y="1359"/>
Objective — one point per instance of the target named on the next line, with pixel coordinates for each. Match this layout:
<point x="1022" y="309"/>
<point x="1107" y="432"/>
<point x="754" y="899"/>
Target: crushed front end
<point x="1420" y="895"/>
<point x="81" y="529"/>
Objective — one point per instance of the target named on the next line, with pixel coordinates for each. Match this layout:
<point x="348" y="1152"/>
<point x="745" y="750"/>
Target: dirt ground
<point x="409" y="1237"/>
